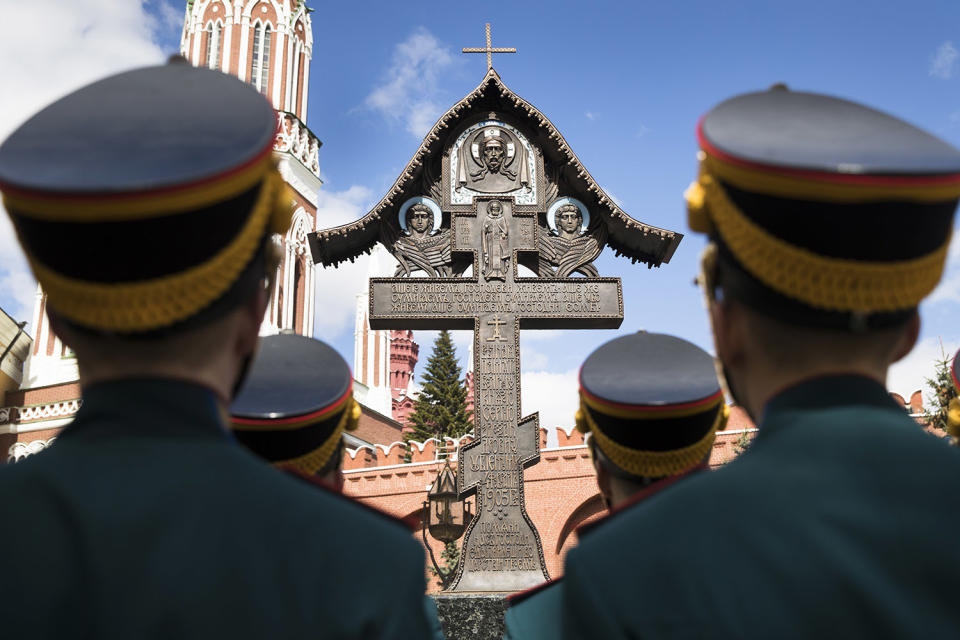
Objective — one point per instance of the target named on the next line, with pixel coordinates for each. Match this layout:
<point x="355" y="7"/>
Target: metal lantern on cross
<point x="446" y="515"/>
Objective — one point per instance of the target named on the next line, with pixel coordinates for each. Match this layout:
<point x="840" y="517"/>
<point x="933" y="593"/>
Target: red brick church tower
<point x="404" y="353"/>
<point x="269" y="43"/>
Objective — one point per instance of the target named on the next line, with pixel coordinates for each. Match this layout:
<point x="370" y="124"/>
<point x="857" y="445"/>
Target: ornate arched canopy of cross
<point x="489" y="50"/>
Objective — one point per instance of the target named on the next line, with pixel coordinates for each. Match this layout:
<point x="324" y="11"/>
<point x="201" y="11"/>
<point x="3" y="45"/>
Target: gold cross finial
<point x="489" y="50"/>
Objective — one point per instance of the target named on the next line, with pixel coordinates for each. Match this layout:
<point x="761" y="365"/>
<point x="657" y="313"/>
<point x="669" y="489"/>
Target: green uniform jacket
<point x="433" y="618"/>
<point x="144" y="520"/>
<point x="840" y="521"/>
<point x="536" y="613"/>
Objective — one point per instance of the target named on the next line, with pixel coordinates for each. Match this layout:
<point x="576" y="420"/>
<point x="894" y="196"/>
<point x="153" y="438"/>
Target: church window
<point x="214" y="46"/>
<point x="260" y="61"/>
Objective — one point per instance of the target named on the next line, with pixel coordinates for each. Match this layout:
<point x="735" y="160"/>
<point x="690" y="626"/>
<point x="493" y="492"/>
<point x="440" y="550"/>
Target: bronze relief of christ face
<point x="493" y="155"/>
<point x="493" y="159"/>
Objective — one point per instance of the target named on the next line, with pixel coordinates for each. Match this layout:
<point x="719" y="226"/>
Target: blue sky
<point x="624" y="81"/>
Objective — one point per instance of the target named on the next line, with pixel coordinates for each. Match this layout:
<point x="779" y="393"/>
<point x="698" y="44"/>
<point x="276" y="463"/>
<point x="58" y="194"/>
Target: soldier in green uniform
<point x="147" y="204"/>
<point x="652" y="405"/>
<point x="828" y="223"/>
<point x="294" y="407"/>
<point x="293" y="410"/>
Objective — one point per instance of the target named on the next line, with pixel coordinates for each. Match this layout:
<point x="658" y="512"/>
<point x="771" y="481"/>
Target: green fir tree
<point x="941" y="391"/>
<point x="441" y="408"/>
<point x="449" y="558"/>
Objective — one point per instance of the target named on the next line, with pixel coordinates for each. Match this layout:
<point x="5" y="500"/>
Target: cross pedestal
<point x="501" y="547"/>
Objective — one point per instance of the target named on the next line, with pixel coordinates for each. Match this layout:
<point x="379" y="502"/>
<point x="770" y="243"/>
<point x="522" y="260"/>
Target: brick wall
<point x="377" y="428"/>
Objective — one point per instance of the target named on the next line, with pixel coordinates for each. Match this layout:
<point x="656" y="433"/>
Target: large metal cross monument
<point x="501" y="547"/>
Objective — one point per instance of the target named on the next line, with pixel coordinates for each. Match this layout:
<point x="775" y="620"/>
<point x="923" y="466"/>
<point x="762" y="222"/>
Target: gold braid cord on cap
<point x="312" y="462"/>
<point x="652" y="464"/>
<point x="953" y="419"/>
<point x="833" y="284"/>
<point x="160" y="302"/>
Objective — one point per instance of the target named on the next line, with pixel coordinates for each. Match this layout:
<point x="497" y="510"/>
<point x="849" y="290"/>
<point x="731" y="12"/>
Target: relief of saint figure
<point x="494" y="243"/>
<point x="423" y="246"/>
<point x="496" y="162"/>
<point x="570" y="245"/>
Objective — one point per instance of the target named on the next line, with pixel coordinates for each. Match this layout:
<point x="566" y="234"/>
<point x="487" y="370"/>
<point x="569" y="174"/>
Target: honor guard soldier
<point x="828" y="223"/>
<point x="293" y="411"/>
<point x="294" y="407"/>
<point x="146" y="204"/>
<point x="652" y="405"/>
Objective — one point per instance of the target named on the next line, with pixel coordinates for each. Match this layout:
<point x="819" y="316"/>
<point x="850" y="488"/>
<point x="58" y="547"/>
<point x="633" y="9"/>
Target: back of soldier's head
<point x="145" y="203"/>
<point x="295" y="406"/>
<point x="652" y="405"/>
<point x="829" y="221"/>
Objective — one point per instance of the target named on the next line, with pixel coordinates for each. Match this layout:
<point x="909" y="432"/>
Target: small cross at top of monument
<point x="489" y="50"/>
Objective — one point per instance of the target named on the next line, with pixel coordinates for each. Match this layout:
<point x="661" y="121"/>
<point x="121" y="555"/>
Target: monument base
<point x="471" y="616"/>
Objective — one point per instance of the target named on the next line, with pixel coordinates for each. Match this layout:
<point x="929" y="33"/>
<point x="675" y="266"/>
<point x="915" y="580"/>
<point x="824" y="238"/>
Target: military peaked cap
<point x="823" y="211"/>
<point x="652" y="403"/>
<point x="143" y="200"/>
<point x="295" y="403"/>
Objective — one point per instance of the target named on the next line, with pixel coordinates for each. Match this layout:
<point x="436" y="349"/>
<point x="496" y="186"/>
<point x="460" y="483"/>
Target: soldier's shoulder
<point x="709" y="497"/>
<point x="540" y="590"/>
<point x="536" y="612"/>
<point x="15" y="475"/>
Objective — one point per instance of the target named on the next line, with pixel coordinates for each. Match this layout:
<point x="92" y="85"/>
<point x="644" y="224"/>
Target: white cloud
<point x="910" y="374"/>
<point x="533" y="359"/>
<point x="943" y="61"/>
<point x="410" y="91"/>
<point x="590" y="115"/>
<point x="949" y="288"/>
<point x="553" y="395"/>
<point x="83" y="40"/>
<point x="337" y="287"/>
<point x="540" y="335"/>
<point x="643" y="130"/>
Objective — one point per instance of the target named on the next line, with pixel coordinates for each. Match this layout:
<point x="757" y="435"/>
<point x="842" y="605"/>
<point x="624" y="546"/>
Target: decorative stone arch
<point x="279" y="13"/>
<point x="299" y="276"/>
<point x="587" y="509"/>
<point x="300" y="226"/>
<point x="263" y="22"/>
<point x="301" y="33"/>
<point x="204" y="5"/>
<point x="20" y="450"/>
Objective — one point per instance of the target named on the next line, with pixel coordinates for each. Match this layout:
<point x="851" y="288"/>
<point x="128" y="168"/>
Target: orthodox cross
<point x="489" y="50"/>
<point x="501" y="547"/>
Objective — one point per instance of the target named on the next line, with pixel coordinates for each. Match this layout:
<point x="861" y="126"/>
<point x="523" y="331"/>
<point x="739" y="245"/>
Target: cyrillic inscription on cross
<point x="501" y="547"/>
